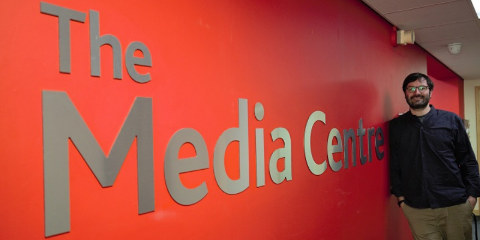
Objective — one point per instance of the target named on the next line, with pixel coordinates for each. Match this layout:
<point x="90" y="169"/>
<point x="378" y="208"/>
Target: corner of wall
<point x="470" y="111"/>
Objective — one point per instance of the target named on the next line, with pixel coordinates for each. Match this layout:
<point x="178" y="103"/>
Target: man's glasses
<point x="420" y="89"/>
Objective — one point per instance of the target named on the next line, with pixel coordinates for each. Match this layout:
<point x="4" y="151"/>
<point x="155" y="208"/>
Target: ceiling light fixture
<point x="454" y="48"/>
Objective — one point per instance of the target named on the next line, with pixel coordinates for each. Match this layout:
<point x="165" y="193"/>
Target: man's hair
<point x="414" y="77"/>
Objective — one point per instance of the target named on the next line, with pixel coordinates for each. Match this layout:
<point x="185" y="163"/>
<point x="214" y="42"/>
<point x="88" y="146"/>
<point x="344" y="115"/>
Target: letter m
<point x="62" y="121"/>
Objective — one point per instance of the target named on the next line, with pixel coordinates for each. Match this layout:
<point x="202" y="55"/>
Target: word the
<point x="66" y="15"/>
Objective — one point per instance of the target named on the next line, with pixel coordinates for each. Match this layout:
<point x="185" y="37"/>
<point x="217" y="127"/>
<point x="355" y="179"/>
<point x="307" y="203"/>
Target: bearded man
<point x="433" y="170"/>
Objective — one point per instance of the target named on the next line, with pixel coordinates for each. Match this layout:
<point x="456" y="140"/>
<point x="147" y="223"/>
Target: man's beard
<point x="418" y="105"/>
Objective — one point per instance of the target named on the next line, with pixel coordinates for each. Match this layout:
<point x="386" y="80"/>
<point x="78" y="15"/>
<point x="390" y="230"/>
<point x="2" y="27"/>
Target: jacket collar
<point x="432" y="112"/>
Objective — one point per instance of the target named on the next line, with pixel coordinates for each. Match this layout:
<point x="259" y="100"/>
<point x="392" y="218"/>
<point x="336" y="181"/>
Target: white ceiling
<point x="437" y="23"/>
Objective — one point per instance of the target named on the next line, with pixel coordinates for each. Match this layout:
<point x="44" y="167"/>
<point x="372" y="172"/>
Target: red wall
<point x="448" y="90"/>
<point x="295" y="57"/>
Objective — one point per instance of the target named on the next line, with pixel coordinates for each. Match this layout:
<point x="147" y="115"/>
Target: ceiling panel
<point x="441" y="43"/>
<point x="431" y="16"/>
<point x="387" y="6"/>
<point x="437" y="23"/>
<point x="452" y="32"/>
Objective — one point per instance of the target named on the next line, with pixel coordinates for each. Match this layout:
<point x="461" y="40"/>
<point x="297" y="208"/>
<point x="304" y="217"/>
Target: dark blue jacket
<point x="432" y="163"/>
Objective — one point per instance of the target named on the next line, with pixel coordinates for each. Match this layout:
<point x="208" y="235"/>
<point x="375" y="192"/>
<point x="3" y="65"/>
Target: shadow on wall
<point x="396" y="224"/>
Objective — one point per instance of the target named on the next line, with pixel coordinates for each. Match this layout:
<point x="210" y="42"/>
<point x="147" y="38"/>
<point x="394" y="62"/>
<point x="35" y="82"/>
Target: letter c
<point x="315" y="168"/>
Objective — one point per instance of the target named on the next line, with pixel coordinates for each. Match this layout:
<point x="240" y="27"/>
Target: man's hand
<point x="472" y="201"/>
<point x="400" y="201"/>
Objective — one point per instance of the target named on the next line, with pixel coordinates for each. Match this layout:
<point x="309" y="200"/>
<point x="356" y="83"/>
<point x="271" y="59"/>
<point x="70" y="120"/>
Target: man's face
<point x="417" y="99"/>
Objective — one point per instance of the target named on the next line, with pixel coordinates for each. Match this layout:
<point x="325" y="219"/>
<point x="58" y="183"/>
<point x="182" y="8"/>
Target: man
<point x="433" y="170"/>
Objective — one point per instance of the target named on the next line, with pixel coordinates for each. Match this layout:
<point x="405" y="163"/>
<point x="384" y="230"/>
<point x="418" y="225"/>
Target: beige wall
<point x="469" y="97"/>
<point x="470" y="114"/>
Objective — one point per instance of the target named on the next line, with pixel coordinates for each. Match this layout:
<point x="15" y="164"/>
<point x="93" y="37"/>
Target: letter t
<point x="64" y="16"/>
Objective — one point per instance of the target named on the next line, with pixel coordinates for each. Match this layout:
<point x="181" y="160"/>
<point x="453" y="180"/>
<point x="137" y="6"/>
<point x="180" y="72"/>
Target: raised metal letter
<point x="62" y="121"/>
<point x="96" y="41"/>
<point x="64" y="16"/>
<point x="286" y="153"/>
<point x="315" y="168"/>
<point x="331" y="149"/>
<point x="131" y="61"/>
<point x="239" y="134"/>
<point x="174" y="166"/>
